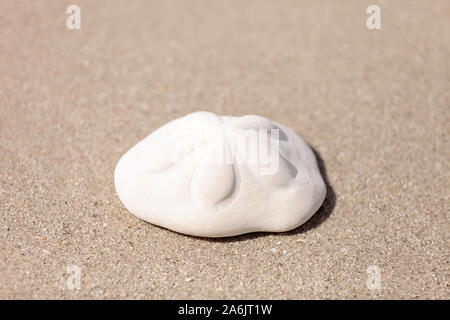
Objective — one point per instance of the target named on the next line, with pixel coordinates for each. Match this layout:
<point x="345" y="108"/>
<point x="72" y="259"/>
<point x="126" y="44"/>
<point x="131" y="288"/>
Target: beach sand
<point x="374" y="104"/>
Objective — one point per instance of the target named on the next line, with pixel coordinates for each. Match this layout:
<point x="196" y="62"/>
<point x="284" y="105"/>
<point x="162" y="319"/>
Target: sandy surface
<point x="374" y="104"/>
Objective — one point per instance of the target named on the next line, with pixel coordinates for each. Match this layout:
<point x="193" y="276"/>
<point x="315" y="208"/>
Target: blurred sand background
<point x="374" y="104"/>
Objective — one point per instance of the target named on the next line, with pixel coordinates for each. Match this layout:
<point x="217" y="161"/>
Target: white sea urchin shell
<point x="212" y="176"/>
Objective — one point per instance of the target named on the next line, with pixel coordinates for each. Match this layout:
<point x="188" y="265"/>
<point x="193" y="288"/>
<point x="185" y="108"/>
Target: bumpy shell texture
<point x="214" y="176"/>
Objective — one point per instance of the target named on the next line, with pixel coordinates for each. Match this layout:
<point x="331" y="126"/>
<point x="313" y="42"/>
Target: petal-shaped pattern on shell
<point x="280" y="173"/>
<point x="263" y="157"/>
<point x="211" y="184"/>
